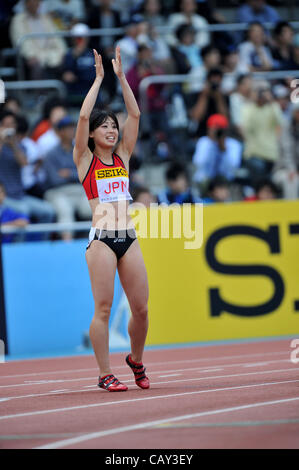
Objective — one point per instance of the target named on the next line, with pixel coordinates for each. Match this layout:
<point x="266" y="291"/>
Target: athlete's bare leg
<point x="132" y="274"/>
<point x="102" y="267"/>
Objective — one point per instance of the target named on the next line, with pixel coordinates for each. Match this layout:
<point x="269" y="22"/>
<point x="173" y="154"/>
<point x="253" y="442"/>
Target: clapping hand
<point x="98" y="65"/>
<point x="117" y="65"/>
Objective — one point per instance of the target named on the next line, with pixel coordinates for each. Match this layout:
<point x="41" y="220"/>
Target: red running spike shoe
<point x="139" y="372"/>
<point x="110" y="383"/>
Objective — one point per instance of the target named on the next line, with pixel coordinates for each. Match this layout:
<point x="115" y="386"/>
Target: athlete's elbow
<point x="136" y="114"/>
<point x="84" y="116"/>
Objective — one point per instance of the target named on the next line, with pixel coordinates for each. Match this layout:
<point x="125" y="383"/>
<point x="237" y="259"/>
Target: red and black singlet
<point x="109" y="183"/>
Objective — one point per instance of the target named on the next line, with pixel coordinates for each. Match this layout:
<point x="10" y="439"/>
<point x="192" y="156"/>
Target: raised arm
<point x="82" y="133"/>
<point x="131" y="126"/>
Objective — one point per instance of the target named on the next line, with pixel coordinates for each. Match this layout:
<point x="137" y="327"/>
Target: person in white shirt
<point x="188" y="15"/>
<point x="129" y="43"/>
<point x="30" y="173"/>
<point x="42" y="55"/>
<point x="254" y="53"/>
<point x="238" y="99"/>
<point x="216" y="154"/>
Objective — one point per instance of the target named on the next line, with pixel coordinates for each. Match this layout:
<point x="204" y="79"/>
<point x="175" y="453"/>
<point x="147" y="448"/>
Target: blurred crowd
<point x="224" y="135"/>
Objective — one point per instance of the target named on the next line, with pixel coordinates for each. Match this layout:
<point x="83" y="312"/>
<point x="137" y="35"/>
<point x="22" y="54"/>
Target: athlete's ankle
<point x="136" y="359"/>
<point x="104" y="374"/>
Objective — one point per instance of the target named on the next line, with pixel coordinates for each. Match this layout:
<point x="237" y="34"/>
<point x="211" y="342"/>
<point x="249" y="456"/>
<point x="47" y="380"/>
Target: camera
<point x="9" y="132"/>
<point x="214" y="86"/>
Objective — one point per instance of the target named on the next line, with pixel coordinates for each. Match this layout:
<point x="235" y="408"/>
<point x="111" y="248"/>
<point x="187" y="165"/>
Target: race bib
<point x="112" y="184"/>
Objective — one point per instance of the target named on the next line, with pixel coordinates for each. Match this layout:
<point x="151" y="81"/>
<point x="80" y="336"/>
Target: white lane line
<point x="169" y="375"/>
<point x="211" y="370"/>
<point x="123" y="376"/>
<point x="144" y="425"/>
<point x="163" y="382"/>
<point x="257" y="364"/>
<point x="150" y="364"/>
<point x="134" y="400"/>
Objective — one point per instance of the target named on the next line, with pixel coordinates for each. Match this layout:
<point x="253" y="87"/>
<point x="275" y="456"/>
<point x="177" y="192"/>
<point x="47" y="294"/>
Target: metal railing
<point x="36" y="85"/>
<point x="56" y="227"/>
<point x="63" y="34"/>
<point x="186" y="78"/>
<point x="223" y="27"/>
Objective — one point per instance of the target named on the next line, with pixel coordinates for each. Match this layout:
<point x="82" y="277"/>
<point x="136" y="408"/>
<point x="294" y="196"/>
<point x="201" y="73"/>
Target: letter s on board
<point x="271" y="237"/>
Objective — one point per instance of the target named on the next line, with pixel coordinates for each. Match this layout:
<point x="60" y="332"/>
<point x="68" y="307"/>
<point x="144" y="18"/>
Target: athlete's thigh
<point x="101" y="263"/>
<point x="133" y="276"/>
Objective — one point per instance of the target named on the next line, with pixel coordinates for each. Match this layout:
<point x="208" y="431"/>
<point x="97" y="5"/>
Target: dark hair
<point x="213" y="72"/>
<point x="5" y="113"/>
<point x="251" y="25"/>
<point x="96" y="119"/>
<point x="217" y="182"/>
<point x="139" y="190"/>
<point x="207" y="50"/>
<point x="174" y="171"/>
<point x="280" y="26"/>
<point x="242" y="77"/>
<point x="183" y="29"/>
<point x="50" y="104"/>
<point x="22" y="125"/>
<point x="266" y="182"/>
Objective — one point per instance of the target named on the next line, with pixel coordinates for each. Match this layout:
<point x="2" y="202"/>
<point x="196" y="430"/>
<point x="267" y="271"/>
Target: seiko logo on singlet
<point x="112" y="184"/>
<point x="119" y="240"/>
<point x="112" y="173"/>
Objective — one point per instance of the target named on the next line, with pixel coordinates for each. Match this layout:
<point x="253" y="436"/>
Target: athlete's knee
<point x="140" y="311"/>
<point x="103" y="309"/>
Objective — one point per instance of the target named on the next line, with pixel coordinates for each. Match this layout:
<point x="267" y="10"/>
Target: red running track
<point x="230" y="396"/>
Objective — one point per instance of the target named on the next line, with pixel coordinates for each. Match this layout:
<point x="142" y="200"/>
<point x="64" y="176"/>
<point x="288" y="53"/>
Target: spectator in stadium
<point x="218" y="190"/>
<point x="6" y="12"/>
<point x="143" y="195"/>
<point x="9" y="217"/>
<point x="12" y="104"/>
<point x="254" y="52"/>
<point x="232" y="68"/>
<point x="281" y="95"/>
<point x="209" y="101"/>
<point x="103" y="14"/>
<point x="43" y="123"/>
<point x="134" y="28"/>
<point x="187" y="48"/>
<point x="261" y="123"/>
<point x="32" y="183"/>
<point x="65" y="13"/>
<point x="283" y="48"/>
<point x="265" y="190"/>
<point x="187" y="14"/>
<point x="156" y="102"/>
<point x="296" y="52"/>
<point x="151" y="10"/>
<point x="12" y="160"/>
<point x="64" y="191"/>
<point x="286" y="169"/>
<point x="237" y="100"/>
<point x="77" y="71"/>
<point x="50" y="138"/>
<point x="42" y="56"/>
<point x="257" y="10"/>
<point x="211" y="60"/>
<point x="161" y="50"/>
<point x="216" y="154"/>
<point x="178" y="189"/>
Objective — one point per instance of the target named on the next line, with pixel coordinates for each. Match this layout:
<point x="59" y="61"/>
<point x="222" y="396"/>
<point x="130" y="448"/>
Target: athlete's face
<point x="106" y="135"/>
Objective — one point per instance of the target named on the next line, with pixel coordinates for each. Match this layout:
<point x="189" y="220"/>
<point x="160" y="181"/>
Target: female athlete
<point x="112" y="238"/>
